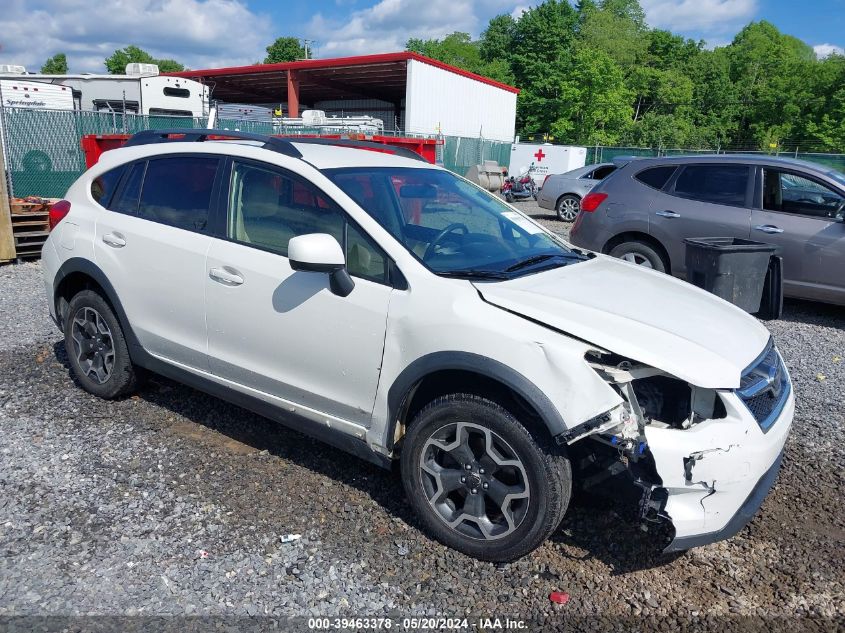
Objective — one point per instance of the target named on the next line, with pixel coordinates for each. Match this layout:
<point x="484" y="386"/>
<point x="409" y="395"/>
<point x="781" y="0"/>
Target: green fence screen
<point x="459" y="153"/>
<point x="42" y="147"/>
<point x="44" y="156"/>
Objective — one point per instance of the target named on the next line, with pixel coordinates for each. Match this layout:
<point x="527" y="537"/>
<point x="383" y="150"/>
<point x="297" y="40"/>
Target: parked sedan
<point x="563" y="192"/>
<point x="646" y="208"/>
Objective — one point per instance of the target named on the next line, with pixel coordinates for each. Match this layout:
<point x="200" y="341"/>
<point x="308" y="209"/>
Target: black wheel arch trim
<point x="90" y="269"/>
<point x="402" y="390"/>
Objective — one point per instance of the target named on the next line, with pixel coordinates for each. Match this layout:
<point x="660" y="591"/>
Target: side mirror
<point x="320" y="253"/>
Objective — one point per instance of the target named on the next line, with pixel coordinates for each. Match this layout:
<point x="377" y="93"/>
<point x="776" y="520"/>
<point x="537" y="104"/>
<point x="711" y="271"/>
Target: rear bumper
<point x="544" y="202"/>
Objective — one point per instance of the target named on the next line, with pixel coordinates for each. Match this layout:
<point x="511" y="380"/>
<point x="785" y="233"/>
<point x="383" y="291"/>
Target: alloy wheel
<point x="93" y="344"/>
<point x="638" y="259"/>
<point x="568" y="209"/>
<point x="474" y="481"/>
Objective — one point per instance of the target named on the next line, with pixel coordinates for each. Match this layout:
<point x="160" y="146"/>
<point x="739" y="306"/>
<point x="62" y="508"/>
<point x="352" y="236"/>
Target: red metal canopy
<point x="382" y="77"/>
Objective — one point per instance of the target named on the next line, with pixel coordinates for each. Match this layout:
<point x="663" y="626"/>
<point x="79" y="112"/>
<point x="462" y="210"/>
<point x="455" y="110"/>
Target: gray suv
<point x="644" y="210"/>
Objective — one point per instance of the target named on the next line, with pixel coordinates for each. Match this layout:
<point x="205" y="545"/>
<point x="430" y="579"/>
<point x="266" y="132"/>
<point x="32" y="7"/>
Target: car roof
<point x="731" y="159"/>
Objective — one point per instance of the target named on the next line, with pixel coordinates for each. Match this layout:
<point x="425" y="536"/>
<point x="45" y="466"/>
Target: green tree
<point x="284" y="49"/>
<point x="771" y="72"/>
<point x="541" y="58"/>
<point x="117" y="61"/>
<point x="497" y="39"/>
<point x="169" y="65"/>
<point x="55" y="65"/>
<point x="616" y="27"/>
<point x="594" y="105"/>
<point x="457" y="49"/>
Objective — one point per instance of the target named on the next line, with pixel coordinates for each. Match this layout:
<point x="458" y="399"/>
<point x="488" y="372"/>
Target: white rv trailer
<point x="17" y="93"/>
<point x="28" y="151"/>
<point x="140" y="91"/>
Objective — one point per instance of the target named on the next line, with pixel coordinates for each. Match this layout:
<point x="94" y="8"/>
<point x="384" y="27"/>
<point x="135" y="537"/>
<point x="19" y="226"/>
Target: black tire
<point x="567" y="207"/>
<point x="640" y="253"/>
<point x="509" y="197"/>
<point x="543" y="479"/>
<point x="91" y="322"/>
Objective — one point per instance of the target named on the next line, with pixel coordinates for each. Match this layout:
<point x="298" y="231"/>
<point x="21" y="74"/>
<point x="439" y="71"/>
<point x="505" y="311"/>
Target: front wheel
<point x="480" y="482"/>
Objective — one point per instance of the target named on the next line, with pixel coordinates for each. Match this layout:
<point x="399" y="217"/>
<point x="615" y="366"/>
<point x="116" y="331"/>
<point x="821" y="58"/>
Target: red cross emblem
<point x="539" y="155"/>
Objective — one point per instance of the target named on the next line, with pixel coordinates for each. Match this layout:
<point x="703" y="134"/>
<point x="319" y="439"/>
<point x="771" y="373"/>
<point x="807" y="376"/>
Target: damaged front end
<point x="703" y="459"/>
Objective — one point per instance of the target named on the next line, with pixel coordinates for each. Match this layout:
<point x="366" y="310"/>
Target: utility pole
<point x="306" y="44"/>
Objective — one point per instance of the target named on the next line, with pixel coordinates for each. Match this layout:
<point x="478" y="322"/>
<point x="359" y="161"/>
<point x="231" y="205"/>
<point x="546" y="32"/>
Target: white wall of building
<point x="438" y="100"/>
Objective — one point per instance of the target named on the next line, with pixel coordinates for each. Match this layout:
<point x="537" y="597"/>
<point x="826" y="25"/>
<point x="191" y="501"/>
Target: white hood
<point x="640" y="314"/>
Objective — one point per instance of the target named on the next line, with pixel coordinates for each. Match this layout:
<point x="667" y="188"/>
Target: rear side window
<point x="177" y="191"/>
<point x="603" y="172"/>
<point x="104" y="185"/>
<point x="719" y="184"/>
<point x="127" y="199"/>
<point x="656" y="177"/>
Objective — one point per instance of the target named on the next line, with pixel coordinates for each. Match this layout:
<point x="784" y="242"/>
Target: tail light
<point x="545" y="179"/>
<point x="592" y="201"/>
<point x="58" y="212"/>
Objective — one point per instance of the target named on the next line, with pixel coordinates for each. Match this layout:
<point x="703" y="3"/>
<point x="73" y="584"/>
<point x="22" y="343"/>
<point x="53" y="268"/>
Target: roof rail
<point x="283" y="145"/>
<point x="385" y="148"/>
<point x="192" y="135"/>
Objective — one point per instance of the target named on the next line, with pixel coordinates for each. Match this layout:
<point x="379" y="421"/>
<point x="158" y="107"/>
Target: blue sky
<point x="211" y="33"/>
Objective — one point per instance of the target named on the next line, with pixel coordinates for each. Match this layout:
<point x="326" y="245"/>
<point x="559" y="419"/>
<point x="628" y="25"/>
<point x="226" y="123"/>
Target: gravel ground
<point x="172" y="502"/>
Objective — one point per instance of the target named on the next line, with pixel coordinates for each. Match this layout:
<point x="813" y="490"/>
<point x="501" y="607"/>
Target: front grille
<point x="764" y="387"/>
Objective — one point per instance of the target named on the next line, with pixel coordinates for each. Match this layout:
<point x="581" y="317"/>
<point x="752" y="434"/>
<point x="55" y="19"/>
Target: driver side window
<point x="790" y="193"/>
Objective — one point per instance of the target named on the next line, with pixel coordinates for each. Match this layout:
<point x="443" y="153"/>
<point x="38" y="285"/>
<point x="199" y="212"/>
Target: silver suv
<point x="644" y="210"/>
<point x="402" y="313"/>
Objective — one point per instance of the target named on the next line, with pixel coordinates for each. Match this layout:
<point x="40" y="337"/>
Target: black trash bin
<point x="735" y="269"/>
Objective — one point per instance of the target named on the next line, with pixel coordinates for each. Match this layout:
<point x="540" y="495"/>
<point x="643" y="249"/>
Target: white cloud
<point x="387" y="25"/>
<point x="198" y="33"/>
<point x="519" y="10"/>
<point x="825" y="50"/>
<point x="706" y="16"/>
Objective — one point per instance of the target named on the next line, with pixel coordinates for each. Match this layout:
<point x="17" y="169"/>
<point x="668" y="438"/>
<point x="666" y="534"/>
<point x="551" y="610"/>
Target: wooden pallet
<point x="30" y="226"/>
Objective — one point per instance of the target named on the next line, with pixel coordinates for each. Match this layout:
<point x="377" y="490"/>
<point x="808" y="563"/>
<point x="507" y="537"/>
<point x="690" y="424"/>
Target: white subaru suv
<point x="399" y="312"/>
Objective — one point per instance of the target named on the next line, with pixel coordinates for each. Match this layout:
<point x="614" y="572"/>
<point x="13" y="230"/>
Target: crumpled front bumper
<point x="717" y="473"/>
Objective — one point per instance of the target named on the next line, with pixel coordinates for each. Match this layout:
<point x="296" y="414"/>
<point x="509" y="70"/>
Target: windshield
<point x="452" y="227"/>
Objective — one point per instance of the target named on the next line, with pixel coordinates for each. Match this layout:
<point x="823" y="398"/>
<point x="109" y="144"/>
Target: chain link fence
<point x="44" y="156"/>
<point x="42" y="147"/>
<point x="459" y="153"/>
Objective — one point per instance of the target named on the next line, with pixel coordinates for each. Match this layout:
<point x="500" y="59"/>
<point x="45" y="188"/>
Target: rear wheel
<point x="641" y="254"/>
<point x="480" y="482"/>
<point x="567" y="207"/>
<point x="96" y="347"/>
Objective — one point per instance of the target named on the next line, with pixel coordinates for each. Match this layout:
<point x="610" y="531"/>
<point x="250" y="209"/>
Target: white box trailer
<point x="546" y="158"/>
<point x="457" y="103"/>
<point x="17" y="93"/>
